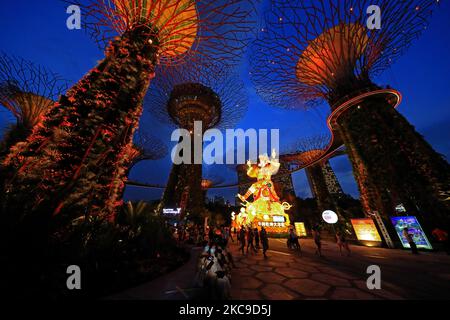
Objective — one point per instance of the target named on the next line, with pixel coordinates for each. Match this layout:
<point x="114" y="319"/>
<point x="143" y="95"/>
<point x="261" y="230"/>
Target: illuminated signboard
<point x="172" y="211"/>
<point x="278" y="219"/>
<point x="414" y="228"/>
<point x="365" y="230"/>
<point x="330" y="217"/>
<point x="300" y="229"/>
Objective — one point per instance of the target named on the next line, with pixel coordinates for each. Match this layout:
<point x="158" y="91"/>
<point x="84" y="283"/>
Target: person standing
<point x="264" y="240"/>
<point x="256" y="238"/>
<point x="442" y="237"/>
<point x="242" y="239"/>
<point x="410" y="240"/>
<point x="250" y="238"/>
<point x="317" y="240"/>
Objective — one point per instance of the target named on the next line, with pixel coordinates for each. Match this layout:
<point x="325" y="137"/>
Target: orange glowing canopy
<point x="206" y="184"/>
<point x="27" y="107"/>
<point x="176" y="21"/>
<point x="332" y="55"/>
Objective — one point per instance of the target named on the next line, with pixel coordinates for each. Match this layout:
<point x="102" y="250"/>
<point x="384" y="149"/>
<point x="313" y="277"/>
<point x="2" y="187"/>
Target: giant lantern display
<point x="265" y="209"/>
<point x="310" y="51"/>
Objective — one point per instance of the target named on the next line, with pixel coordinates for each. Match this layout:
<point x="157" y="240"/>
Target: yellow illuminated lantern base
<point x="267" y="214"/>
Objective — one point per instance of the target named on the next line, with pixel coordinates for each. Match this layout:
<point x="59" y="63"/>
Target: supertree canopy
<point x="146" y="147"/>
<point x="27" y="91"/>
<point x="210" y="94"/>
<point x="71" y="161"/>
<point x="309" y="153"/>
<point x="310" y="51"/>
<point x="178" y="30"/>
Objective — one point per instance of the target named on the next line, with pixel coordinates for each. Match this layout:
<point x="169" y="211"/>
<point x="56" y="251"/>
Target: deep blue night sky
<point x="36" y="30"/>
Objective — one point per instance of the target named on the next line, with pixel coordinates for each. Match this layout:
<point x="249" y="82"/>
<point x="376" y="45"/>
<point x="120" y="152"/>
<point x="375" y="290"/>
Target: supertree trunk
<point x="185" y="180"/>
<point x="393" y="164"/>
<point x="73" y="161"/>
<point x="319" y="188"/>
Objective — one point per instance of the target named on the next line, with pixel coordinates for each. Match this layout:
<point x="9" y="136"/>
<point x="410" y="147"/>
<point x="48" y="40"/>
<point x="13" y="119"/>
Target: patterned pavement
<point x="286" y="275"/>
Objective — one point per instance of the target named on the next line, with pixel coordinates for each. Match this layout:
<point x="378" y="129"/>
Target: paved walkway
<point x="176" y="285"/>
<point x="287" y="276"/>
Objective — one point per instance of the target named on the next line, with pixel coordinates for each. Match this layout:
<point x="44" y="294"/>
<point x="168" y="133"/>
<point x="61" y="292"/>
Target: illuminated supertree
<point x="323" y="182"/>
<point x="71" y="160"/>
<point x="332" y="50"/>
<point x="193" y="93"/>
<point x="210" y="180"/>
<point x="27" y="91"/>
<point x="146" y="147"/>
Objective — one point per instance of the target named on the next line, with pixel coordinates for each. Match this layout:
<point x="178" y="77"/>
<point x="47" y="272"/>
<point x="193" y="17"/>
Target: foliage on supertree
<point x="76" y="159"/>
<point x="311" y="50"/>
<point x="27" y="91"/>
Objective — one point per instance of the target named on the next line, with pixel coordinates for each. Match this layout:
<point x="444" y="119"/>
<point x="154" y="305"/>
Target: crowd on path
<point x="216" y="262"/>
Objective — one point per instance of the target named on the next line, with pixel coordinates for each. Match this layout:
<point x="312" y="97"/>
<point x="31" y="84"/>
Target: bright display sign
<point x="366" y="230"/>
<point x="414" y="228"/>
<point x="278" y="219"/>
<point x="300" y="229"/>
<point x="330" y="217"/>
<point x="171" y="211"/>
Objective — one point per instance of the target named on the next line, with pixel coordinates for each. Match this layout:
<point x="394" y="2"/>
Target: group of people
<point x="341" y="241"/>
<point x="215" y="264"/>
<point x="191" y="235"/>
<point x="251" y="238"/>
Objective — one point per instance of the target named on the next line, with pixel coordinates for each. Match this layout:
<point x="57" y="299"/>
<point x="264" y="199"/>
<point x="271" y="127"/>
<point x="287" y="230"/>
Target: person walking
<point x="230" y="234"/>
<point x="342" y="243"/>
<point x="317" y="240"/>
<point x="410" y="240"/>
<point x="293" y="242"/>
<point x="264" y="241"/>
<point x="256" y="238"/>
<point x="242" y="239"/>
<point x="250" y="238"/>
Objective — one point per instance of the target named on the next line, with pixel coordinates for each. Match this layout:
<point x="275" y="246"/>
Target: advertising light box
<point x="414" y="228"/>
<point x="366" y="230"/>
<point x="300" y="229"/>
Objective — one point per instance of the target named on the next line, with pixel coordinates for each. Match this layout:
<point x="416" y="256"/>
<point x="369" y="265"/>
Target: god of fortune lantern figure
<point x="266" y="209"/>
